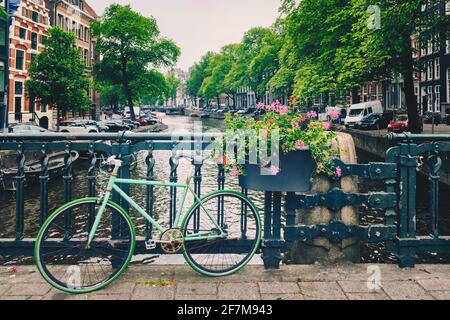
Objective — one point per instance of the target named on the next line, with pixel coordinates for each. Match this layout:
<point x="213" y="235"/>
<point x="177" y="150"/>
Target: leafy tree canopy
<point x="132" y="51"/>
<point x="58" y="77"/>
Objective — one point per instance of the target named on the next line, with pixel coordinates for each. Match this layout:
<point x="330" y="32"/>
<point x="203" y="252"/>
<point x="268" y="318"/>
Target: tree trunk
<point x="129" y="97"/>
<point x="408" y="79"/>
<point x="58" y="120"/>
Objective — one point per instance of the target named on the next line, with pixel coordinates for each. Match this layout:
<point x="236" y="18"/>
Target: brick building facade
<point x="28" y="31"/>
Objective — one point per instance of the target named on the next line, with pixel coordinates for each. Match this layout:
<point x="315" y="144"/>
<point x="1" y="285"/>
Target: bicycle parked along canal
<point x="78" y="251"/>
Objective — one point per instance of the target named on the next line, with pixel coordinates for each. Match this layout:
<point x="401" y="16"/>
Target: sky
<point x="198" y="26"/>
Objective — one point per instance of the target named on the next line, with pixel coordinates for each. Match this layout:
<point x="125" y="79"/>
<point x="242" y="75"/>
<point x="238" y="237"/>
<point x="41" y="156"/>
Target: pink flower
<point x="299" y="145"/>
<point x="295" y="125"/>
<point x="274" y="170"/>
<point x="265" y="133"/>
<point x="334" y="115"/>
<point x="312" y="114"/>
<point x="339" y="172"/>
<point x="260" y="105"/>
<point x="283" y="109"/>
<point x="326" y="125"/>
<point x="15" y="269"/>
<point x="235" y="171"/>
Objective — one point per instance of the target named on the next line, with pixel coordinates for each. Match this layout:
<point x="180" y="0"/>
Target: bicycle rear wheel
<point x="63" y="257"/>
<point x="218" y="256"/>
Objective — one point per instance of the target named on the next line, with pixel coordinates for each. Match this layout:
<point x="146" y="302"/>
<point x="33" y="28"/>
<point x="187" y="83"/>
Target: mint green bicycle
<point x="78" y="251"/>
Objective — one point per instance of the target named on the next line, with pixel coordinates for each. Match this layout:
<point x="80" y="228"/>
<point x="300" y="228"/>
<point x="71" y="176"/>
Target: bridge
<point x="398" y="172"/>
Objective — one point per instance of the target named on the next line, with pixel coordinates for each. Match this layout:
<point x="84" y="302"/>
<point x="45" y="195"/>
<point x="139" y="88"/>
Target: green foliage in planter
<point x="295" y="131"/>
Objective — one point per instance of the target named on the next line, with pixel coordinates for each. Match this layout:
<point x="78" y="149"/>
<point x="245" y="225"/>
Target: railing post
<point x="272" y="230"/>
<point x="173" y="162"/>
<point x="150" y="161"/>
<point x="20" y="201"/>
<point x="43" y="179"/>
<point x="92" y="175"/>
<point x="68" y="177"/>
<point x="407" y="204"/>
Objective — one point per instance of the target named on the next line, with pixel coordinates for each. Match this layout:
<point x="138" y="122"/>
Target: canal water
<point x="371" y="253"/>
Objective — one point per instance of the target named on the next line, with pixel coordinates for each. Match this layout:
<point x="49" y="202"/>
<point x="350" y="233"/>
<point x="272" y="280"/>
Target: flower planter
<point x="296" y="170"/>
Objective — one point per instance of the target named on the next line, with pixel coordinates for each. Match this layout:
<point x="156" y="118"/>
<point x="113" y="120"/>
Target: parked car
<point x="358" y="112"/>
<point x="247" y="111"/>
<point x="374" y="122"/>
<point x="26" y="129"/>
<point x="76" y="127"/>
<point x="133" y="124"/>
<point x="399" y="124"/>
<point x="114" y="126"/>
<point x="101" y="127"/>
<point x="147" y="121"/>
<point x="428" y="118"/>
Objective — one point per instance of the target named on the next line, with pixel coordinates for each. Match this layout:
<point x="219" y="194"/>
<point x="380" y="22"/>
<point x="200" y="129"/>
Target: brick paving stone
<point x="278" y="287"/>
<point x="143" y="292"/>
<point x="441" y="295"/>
<point x="197" y="289"/>
<point x="346" y="281"/>
<point x="435" y="284"/>
<point x="321" y="290"/>
<point x="3" y="288"/>
<point x="282" y="296"/>
<point x="405" y="290"/>
<point x="238" y="291"/>
<point x="368" y="296"/>
<point x="357" y="286"/>
<point x="195" y="297"/>
<point x="28" y="289"/>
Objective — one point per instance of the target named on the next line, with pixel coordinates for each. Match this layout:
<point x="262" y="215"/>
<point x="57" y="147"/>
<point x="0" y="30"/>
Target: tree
<point x="387" y="48"/>
<point x="338" y="46"/>
<point x="172" y="85"/>
<point x="58" y="76"/>
<point x="197" y="76"/>
<point x="132" y="49"/>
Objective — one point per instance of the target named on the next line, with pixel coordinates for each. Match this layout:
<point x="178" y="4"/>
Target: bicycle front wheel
<point x="222" y="233"/>
<point x="63" y="257"/>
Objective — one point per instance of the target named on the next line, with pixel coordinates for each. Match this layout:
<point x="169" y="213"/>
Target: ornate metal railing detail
<point x="397" y="201"/>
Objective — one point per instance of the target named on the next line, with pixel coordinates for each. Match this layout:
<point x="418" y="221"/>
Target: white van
<point x="358" y="112"/>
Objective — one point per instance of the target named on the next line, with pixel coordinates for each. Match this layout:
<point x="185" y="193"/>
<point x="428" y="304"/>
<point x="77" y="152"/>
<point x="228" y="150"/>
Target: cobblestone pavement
<point x="156" y="282"/>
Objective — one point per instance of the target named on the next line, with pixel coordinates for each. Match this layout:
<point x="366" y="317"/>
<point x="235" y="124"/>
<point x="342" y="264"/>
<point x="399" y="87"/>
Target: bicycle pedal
<point x="150" y="244"/>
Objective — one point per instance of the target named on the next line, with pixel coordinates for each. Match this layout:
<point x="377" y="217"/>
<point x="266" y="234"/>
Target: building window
<point x="86" y="34"/>
<point x="437" y="68"/>
<point x="437" y="97"/>
<point x="430" y="97"/>
<point x="430" y="70"/>
<point x="86" y="57"/>
<point x="35" y="16"/>
<point x="447" y="7"/>
<point x="423" y="49"/>
<point x="447" y="47"/>
<point x="22" y="33"/>
<point x="19" y="59"/>
<point x="60" y="21"/>
<point x="66" y="25"/>
<point x="18" y="88"/>
<point x="34" y="40"/>
<point x="74" y="26"/>
<point x="430" y="47"/>
<point x="436" y="44"/>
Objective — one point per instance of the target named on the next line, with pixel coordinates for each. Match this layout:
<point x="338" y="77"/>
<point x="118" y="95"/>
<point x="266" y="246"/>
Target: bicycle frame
<point x="113" y="183"/>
